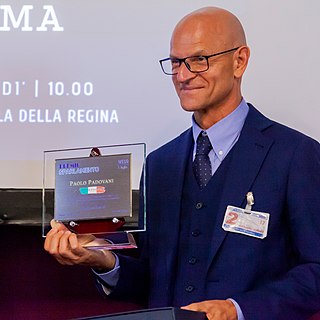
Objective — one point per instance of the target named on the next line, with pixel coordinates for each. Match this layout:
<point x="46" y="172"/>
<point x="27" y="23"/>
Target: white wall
<point x="116" y="47"/>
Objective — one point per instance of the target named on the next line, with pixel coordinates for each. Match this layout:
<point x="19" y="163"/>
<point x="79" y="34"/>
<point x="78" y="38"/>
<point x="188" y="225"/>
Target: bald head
<point x="221" y="26"/>
<point x="211" y="39"/>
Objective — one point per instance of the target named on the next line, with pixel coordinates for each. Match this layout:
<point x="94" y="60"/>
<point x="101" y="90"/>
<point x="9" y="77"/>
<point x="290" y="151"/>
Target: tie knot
<point x="203" y="144"/>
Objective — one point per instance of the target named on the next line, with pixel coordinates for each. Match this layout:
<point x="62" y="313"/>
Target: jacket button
<point x="199" y="205"/>
<point x="193" y="260"/>
<point x="195" y="233"/>
<point x="189" y="288"/>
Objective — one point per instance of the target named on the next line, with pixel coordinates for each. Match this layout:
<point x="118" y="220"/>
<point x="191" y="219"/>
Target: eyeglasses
<point x="195" y="64"/>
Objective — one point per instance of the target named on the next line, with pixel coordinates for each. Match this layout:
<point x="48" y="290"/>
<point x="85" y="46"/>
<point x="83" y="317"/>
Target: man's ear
<point x="241" y="58"/>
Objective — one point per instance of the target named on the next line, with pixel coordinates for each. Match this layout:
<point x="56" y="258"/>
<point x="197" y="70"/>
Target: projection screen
<point x="86" y="73"/>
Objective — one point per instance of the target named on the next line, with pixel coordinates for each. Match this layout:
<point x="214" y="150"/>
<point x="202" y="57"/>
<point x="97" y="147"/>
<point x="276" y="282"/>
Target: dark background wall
<point x="34" y="286"/>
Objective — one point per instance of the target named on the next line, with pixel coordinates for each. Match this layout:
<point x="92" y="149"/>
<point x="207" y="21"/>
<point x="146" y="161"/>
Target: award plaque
<point x="97" y="193"/>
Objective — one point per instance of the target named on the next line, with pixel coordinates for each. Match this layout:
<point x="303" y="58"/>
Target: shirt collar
<point x="224" y="134"/>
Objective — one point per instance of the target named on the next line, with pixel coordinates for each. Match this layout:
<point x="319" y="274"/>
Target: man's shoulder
<point x="288" y="137"/>
<point x="275" y="130"/>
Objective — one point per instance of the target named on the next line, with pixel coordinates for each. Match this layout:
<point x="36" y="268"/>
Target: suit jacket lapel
<point x="181" y="151"/>
<point x="248" y="156"/>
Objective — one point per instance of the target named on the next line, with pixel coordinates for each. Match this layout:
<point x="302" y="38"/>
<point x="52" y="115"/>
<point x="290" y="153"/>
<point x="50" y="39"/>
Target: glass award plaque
<point x="97" y="193"/>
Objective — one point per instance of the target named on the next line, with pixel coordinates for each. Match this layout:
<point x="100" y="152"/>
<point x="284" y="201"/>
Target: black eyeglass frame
<point x="183" y="60"/>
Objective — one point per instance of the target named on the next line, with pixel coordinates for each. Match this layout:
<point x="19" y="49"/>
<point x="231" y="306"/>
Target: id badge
<point x="247" y="222"/>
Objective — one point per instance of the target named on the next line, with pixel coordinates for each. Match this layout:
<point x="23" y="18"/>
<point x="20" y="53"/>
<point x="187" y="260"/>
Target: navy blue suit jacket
<point x="273" y="278"/>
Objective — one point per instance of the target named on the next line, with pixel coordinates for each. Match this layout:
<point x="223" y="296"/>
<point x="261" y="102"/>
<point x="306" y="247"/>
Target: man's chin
<point x="188" y="107"/>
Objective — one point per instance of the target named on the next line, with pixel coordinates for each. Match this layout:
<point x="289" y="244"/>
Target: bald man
<point x="233" y="229"/>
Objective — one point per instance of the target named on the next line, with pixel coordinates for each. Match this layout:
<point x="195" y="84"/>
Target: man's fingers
<point x="76" y="247"/>
<point x="58" y="225"/>
<point x="64" y="246"/>
<point x="73" y="241"/>
<point x="52" y="241"/>
<point x="67" y="248"/>
<point x="58" y="245"/>
<point x="193" y="307"/>
<point x="49" y="236"/>
<point x="215" y="309"/>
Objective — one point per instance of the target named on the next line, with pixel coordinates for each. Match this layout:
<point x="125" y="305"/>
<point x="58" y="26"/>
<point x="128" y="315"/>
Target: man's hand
<point x="215" y="309"/>
<point x="68" y="248"/>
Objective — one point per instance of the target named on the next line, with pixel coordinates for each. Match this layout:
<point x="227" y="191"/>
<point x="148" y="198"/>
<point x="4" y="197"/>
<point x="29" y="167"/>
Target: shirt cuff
<point x="111" y="277"/>
<point x="239" y="312"/>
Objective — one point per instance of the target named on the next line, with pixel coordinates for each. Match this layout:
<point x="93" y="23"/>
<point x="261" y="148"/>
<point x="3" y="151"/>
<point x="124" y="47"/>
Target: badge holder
<point x="97" y="193"/>
<point x="245" y="221"/>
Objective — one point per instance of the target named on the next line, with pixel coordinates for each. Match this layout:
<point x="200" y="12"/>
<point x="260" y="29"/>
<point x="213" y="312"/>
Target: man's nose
<point x="184" y="74"/>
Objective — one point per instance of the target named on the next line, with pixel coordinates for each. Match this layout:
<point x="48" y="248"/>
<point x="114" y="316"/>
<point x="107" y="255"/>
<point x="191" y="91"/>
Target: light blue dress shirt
<point x="223" y="135"/>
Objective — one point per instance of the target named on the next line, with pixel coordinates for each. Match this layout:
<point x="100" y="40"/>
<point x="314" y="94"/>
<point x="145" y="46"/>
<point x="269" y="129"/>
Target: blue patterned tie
<point x="201" y="162"/>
